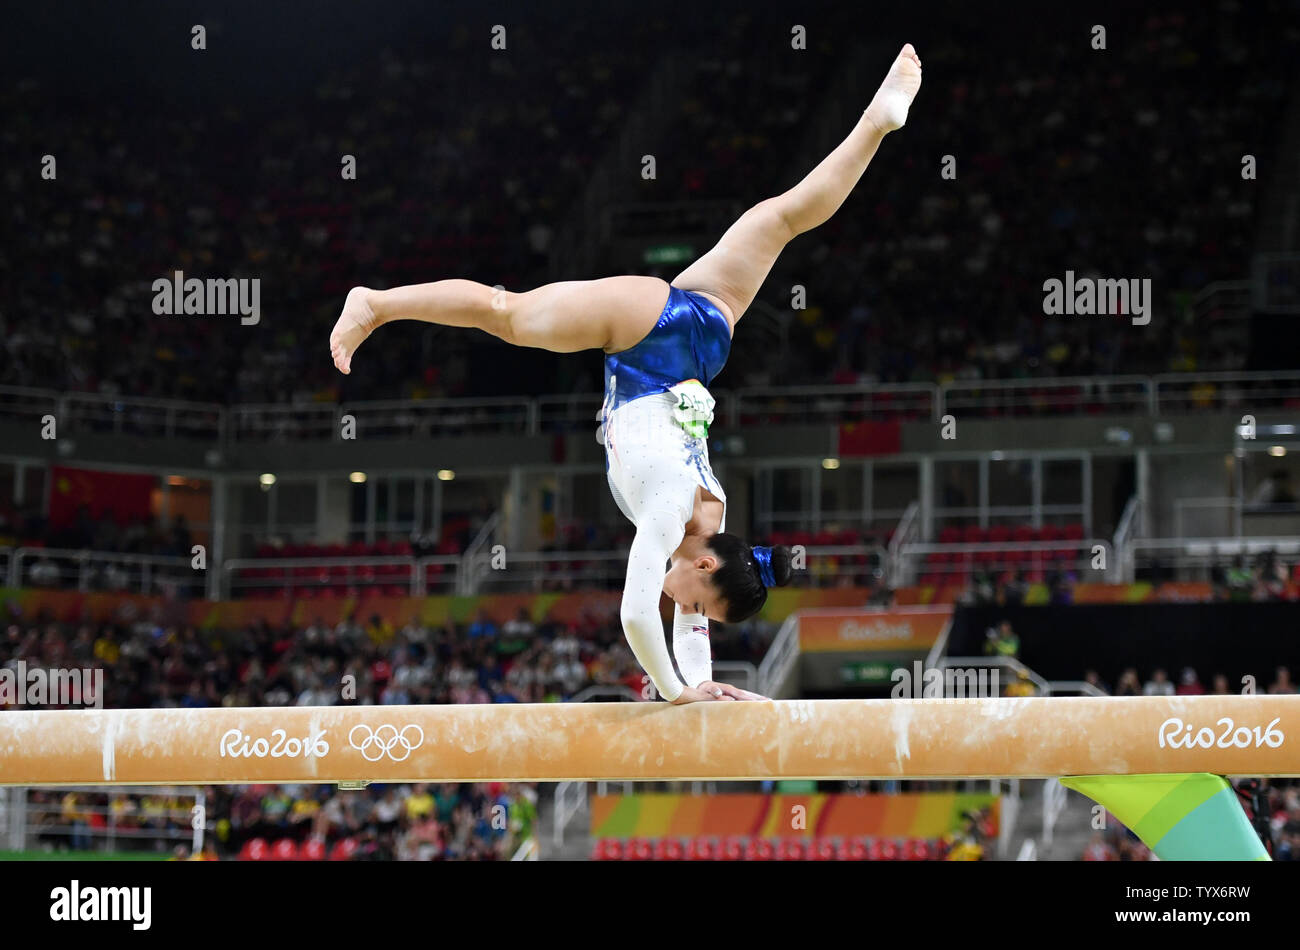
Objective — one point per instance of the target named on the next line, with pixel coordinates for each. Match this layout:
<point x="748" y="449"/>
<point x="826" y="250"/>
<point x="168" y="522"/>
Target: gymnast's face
<point x="689" y="582"/>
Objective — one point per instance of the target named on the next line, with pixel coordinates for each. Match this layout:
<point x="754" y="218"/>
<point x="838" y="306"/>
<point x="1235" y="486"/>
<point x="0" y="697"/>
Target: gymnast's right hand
<point x="357" y="322"/>
<point x="703" y="694"/>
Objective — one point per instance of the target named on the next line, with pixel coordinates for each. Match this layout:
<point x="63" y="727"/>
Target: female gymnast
<point x="663" y="343"/>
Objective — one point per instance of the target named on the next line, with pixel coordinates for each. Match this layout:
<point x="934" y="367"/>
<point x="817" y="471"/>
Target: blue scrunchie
<point x="764" y="558"/>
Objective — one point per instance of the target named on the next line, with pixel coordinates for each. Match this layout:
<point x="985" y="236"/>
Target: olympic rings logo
<point x="387" y="740"/>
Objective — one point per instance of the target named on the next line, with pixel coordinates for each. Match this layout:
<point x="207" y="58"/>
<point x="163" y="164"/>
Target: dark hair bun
<point x="782" y="568"/>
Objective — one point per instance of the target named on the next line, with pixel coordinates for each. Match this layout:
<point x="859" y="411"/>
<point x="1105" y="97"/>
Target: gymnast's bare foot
<point x="888" y="110"/>
<point x="357" y="322"/>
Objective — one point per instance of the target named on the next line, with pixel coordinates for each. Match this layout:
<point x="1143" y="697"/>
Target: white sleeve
<point x="658" y="534"/>
<point x="691" y="646"/>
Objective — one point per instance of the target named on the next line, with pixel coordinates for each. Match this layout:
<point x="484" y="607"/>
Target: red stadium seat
<point x="607" y="849"/>
<point x="701" y="849"/>
<point x="759" y="849"/>
<point x="733" y="849"/>
<point x="255" y="849"/>
<point x="854" y="849"/>
<point x="286" y="849"/>
<point x="823" y="849"/>
<point x="791" y="849"/>
<point x="916" y="849"/>
<point x="638" y="849"/>
<point x="669" y="849"/>
<point x="313" y="849"/>
<point x="343" y="850"/>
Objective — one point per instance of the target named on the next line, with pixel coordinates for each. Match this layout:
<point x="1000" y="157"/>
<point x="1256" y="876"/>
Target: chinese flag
<point x="871" y="438"/>
<point x="123" y="494"/>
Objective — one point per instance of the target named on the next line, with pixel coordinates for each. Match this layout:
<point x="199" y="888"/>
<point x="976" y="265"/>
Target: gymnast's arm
<point x="691" y="647"/>
<point x="658" y="534"/>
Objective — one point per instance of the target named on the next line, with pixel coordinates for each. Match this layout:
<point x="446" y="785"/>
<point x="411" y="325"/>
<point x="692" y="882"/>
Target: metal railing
<point x="1247" y="392"/>
<point x="85" y="570"/>
<point x="832" y="404"/>
<point x="1196" y="558"/>
<point x="414" y="576"/>
<point x="123" y="817"/>
<point x="1049" y="397"/>
<point x="914" y="560"/>
<point x="157" y="418"/>
<point x="908" y="530"/>
<point x="424" y="418"/>
<point x="780" y="658"/>
<point x="570" y="801"/>
<point x="1044" y="686"/>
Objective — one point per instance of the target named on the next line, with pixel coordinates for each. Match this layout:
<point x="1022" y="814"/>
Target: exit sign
<point x="669" y="254"/>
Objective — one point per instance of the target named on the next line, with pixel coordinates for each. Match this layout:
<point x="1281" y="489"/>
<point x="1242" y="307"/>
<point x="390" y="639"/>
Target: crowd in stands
<point x="471" y="161"/>
<point x="153" y="666"/>
<point x="150" y="666"/>
<point x="420" y="822"/>
<point x="1265" y="577"/>
<point x="1044" y="155"/>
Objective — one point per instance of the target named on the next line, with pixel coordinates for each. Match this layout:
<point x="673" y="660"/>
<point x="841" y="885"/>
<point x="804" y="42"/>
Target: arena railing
<point x="86" y="570"/>
<point x="34" y="820"/>
<point x="415" y="576"/>
<point x="1196" y="558"/>
<point x="158" y="418"/>
<point x="1245" y="392"/>
<point x="516" y="571"/>
<point x="1076" y="395"/>
<point x="423" y="418"/>
<point x="25" y="403"/>
<point x="833" y="404"/>
<point x="1002" y="556"/>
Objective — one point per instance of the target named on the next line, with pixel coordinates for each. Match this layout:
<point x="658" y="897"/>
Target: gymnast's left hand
<point x="732" y="691"/>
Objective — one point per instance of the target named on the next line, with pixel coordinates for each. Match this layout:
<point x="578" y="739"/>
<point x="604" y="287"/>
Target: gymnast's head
<point x="727" y="579"/>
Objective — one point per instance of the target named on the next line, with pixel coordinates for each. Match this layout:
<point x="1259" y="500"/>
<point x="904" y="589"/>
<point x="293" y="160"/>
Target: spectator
<point x="1158" y="685"/>
<point x="1002" y="641"/>
<point x="1093" y="678"/>
<point x="1190" y="684"/>
<point x="483" y="626"/>
<point x="1281" y="684"/>
<point x="1128" y="684"/>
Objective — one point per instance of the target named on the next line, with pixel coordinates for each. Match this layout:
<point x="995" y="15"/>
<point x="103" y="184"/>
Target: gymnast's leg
<point x="610" y="314"/>
<point x="734" y="270"/>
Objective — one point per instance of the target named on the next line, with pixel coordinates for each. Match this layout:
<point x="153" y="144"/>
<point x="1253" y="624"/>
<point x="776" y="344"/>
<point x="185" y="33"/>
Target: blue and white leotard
<point x="654" y="464"/>
<point x="650" y="458"/>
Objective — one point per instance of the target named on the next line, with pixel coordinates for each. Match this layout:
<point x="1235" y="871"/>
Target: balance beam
<point x="827" y="739"/>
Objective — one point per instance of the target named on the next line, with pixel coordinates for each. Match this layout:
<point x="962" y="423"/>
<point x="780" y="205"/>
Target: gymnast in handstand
<point x="663" y="344"/>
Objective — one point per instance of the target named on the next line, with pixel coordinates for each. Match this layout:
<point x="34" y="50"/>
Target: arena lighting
<point x="445" y="474"/>
<point x="1277" y="451"/>
<point x="830" y="464"/>
<point x="1040" y="737"/>
<point x="357" y="478"/>
<point x="266" y="480"/>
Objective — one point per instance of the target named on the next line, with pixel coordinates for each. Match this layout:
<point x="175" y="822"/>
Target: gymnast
<point x="663" y="343"/>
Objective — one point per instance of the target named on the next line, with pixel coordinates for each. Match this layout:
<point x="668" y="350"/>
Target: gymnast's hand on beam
<point x="709" y="691"/>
